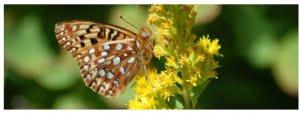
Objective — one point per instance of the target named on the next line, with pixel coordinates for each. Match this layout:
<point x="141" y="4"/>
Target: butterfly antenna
<point x="129" y="23"/>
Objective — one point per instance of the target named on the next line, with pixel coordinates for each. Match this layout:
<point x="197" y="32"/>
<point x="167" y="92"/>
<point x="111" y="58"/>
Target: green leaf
<point x="176" y="102"/>
<point x="197" y="91"/>
<point x="179" y="104"/>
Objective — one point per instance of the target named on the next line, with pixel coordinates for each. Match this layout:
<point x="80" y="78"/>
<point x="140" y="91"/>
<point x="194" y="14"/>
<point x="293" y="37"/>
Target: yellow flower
<point x="204" y="42"/>
<point x="134" y="104"/>
<point x="171" y="62"/>
<point x="214" y="64"/>
<point x="149" y="102"/>
<point x="155" y="80"/>
<point x="156" y="8"/>
<point x="197" y="70"/>
<point x="141" y="80"/>
<point x="167" y="93"/>
<point x="163" y="32"/>
<point x="200" y="58"/>
<point x="153" y="17"/>
<point x="193" y="80"/>
<point x="167" y="79"/>
<point x="143" y="87"/>
<point x="143" y="91"/>
<point x="166" y="25"/>
<point x="214" y="47"/>
<point x="161" y="40"/>
<point x="159" y="51"/>
<point x="142" y="103"/>
<point x="184" y="60"/>
<point x="212" y="74"/>
<point x="169" y="70"/>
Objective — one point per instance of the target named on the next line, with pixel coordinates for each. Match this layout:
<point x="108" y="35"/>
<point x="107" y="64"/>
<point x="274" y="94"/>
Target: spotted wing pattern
<point x="108" y="55"/>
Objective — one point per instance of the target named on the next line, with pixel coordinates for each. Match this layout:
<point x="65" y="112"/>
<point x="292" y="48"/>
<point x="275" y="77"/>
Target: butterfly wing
<point x="107" y="54"/>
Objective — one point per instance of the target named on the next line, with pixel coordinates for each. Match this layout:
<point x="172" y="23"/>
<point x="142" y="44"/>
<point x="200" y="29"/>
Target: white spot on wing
<point x="102" y="88"/>
<point x="101" y="60"/>
<point x="122" y="70"/>
<point x="110" y="91"/>
<point x="129" y="47"/>
<point x="119" y="46"/>
<point x="93" y="84"/>
<point x="137" y="43"/>
<point x="102" y="72"/>
<point x="116" y="60"/>
<point x="106" y="85"/>
<point x="127" y="74"/>
<point x="73" y="49"/>
<point x="110" y="75"/>
<point x="106" y="46"/>
<point x="116" y="82"/>
<point x="74" y="27"/>
<point x="103" y="53"/>
<point x="62" y="29"/>
<point x="91" y="50"/>
<point x="86" y="59"/>
<point x="86" y="67"/>
<point x="125" y="54"/>
<point x="88" y="77"/>
<point x="68" y="43"/>
<point x="131" y="60"/>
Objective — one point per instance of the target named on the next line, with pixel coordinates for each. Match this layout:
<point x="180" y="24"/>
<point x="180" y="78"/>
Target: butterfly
<point x="109" y="56"/>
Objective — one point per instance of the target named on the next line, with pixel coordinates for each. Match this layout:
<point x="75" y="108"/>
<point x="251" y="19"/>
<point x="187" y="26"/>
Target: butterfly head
<point x="144" y="33"/>
<point x="143" y="38"/>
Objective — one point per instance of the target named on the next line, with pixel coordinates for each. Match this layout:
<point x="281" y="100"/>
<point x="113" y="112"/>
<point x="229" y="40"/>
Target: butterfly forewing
<point x="108" y="55"/>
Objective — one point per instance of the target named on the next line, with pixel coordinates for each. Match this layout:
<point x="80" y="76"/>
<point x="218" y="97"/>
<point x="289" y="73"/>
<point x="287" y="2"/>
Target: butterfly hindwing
<point x="111" y="65"/>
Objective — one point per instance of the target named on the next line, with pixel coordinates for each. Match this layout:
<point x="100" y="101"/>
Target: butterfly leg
<point x="147" y="76"/>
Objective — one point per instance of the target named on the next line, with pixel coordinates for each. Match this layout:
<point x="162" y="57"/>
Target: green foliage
<point x="259" y="43"/>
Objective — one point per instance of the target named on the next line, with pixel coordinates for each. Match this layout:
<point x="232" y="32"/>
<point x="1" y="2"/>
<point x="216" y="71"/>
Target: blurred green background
<point x="259" y="69"/>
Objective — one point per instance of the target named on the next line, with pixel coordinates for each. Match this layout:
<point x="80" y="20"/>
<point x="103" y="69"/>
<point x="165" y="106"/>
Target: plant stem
<point x="194" y="103"/>
<point x="186" y="98"/>
<point x="185" y="90"/>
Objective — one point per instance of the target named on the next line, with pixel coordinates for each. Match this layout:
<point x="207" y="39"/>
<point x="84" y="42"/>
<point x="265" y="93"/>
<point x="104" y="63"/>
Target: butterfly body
<point x="109" y="56"/>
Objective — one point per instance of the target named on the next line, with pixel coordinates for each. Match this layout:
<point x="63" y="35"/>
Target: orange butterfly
<point x="109" y="56"/>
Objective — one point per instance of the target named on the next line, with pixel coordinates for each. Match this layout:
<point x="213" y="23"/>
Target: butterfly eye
<point x="145" y="35"/>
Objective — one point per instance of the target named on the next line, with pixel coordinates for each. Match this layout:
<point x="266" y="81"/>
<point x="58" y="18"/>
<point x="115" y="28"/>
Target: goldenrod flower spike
<point x="189" y="62"/>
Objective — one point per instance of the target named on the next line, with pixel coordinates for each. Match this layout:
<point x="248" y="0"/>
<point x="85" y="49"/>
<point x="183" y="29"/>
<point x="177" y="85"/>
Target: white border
<point x="147" y="112"/>
<point x="2" y="57"/>
<point x="151" y="1"/>
<point x="154" y="112"/>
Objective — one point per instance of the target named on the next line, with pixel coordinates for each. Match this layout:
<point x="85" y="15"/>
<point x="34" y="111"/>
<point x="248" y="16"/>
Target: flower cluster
<point x="156" y="93"/>
<point x="189" y="61"/>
